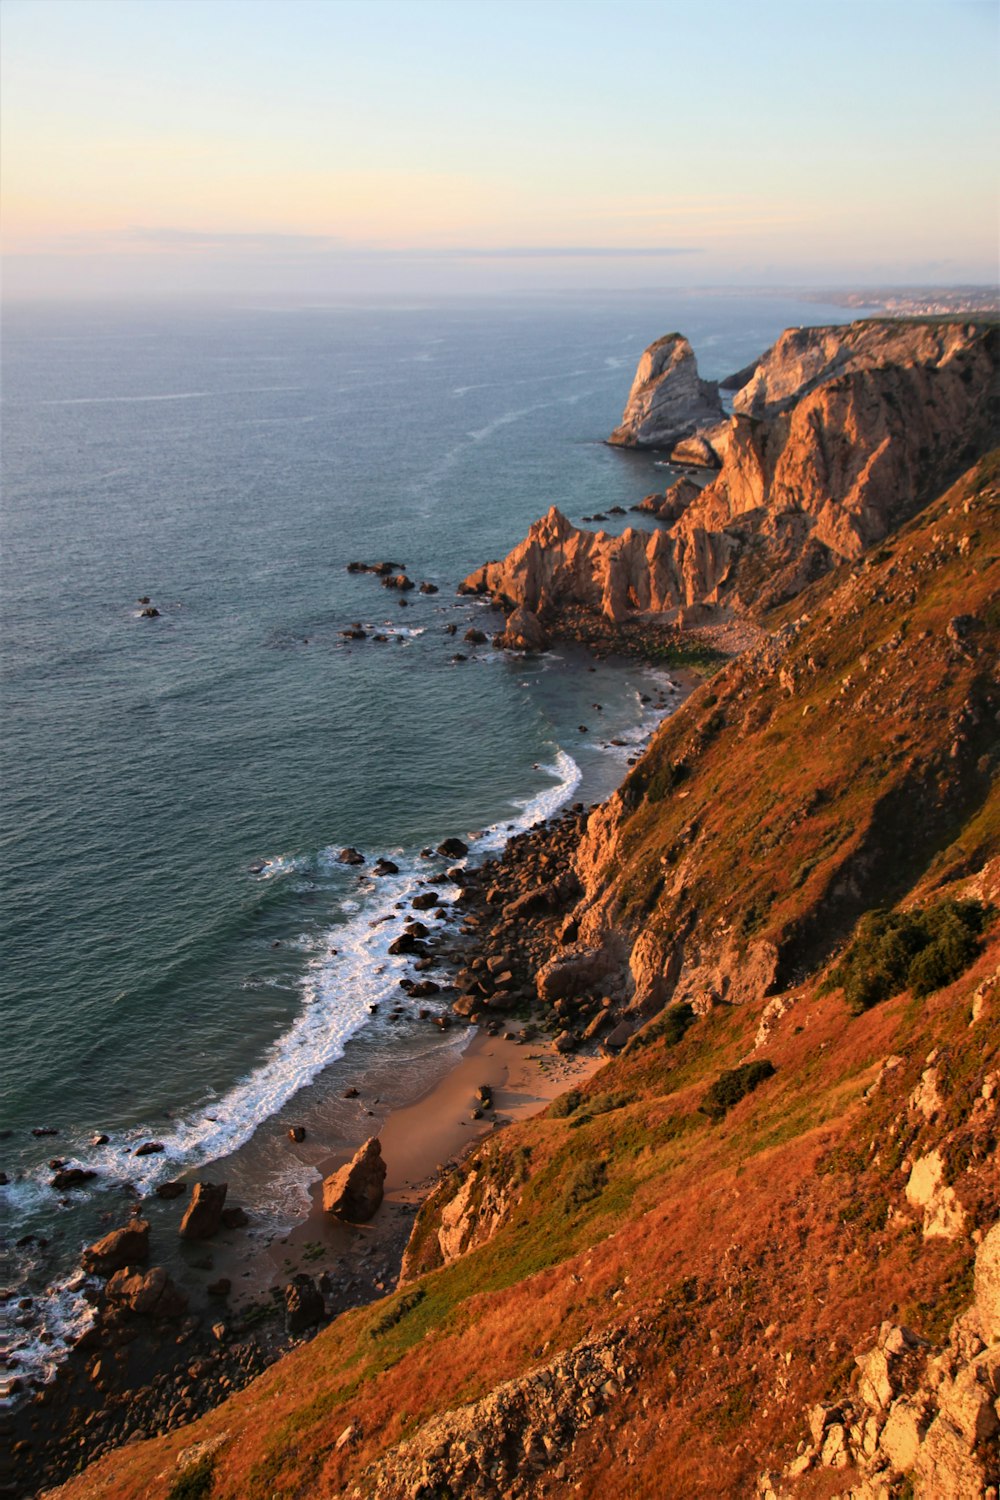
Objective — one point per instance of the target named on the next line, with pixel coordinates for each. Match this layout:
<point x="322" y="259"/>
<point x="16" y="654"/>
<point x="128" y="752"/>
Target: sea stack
<point x="668" y="400"/>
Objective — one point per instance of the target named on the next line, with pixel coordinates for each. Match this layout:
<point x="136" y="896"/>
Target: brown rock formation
<point x="355" y="1192"/>
<point x="147" y="1294"/>
<point x="128" y="1246"/>
<point x="524" y="631"/>
<point x="841" y="434"/>
<point x="667" y="401"/>
<point x="203" y="1215"/>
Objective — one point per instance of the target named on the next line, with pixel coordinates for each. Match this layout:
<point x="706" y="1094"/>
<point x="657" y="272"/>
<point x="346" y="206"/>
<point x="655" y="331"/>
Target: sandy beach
<point x="418" y="1140"/>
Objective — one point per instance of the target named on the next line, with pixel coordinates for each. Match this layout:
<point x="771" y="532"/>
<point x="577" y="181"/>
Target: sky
<point x="313" y="148"/>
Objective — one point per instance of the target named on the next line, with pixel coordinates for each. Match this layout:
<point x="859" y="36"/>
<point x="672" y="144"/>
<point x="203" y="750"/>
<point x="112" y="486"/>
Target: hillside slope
<point x="662" y="1287"/>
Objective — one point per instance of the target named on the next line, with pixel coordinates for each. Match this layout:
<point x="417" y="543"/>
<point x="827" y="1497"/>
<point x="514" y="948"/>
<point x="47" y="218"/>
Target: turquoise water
<point x="229" y="464"/>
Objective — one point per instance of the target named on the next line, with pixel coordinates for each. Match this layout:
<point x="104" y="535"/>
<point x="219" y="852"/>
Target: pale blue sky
<point x="320" y="146"/>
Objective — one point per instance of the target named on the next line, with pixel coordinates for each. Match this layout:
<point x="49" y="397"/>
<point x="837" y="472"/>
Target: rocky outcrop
<point x="128" y="1246"/>
<point x="304" y="1306"/>
<point x="929" y="1419"/>
<point x="667" y="401"/>
<point x="355" y="1192"/>
<point x="524" y="631"/>
<point x="203" y="1215"/>
<point x="146" y="1294"/>
<point x="841" y="434"/>
<point x="507" y="1442"/>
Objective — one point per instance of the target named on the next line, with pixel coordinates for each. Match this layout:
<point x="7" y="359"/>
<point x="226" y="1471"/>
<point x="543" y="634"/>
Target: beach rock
<point x="350" y="856"/>
<point x="170" y="1190"/>
<point x="100" y="1139"/>
<point x="304" y="1306"/>
<point x="128" y="1246"/>
<point x="149" y="1148"/>
<point x="385" y="867"/>
<point x="425" y="901"/>
<point x="72" y="1177"/>
<point x="452" y="849"/>
<point x="297" y="1133"/>
<point x="235" y="1217"/>
<point x="397" y="581"/>
<point x="149" y="613"/>
<point x="475" y="636"/>
<point x="428" y="588"/>
<point x="667" y="401"/>
<point x="523" y="631"/>
<point x="405" y="943"/>
<point x="355" y="1192"/>
<point x="203" y="1215"/>
<point x="146" y="1294"/>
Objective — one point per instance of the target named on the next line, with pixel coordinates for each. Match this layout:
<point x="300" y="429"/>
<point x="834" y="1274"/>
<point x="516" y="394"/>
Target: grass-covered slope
<point x="818" y="776"/>
<point x="698" y="1243"/>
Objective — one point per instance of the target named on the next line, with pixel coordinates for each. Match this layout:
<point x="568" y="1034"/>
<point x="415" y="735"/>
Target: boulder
<point x="146" y="1294"/>
<point x="572" y="973"/>
<point x="128" y="1246"/>
<point x="354" y="1192"/>
<point x="72" y="1177"/>
<point x="385" y="867"/>
<point x="523" y="631"/>
<point x="203" y="1215"/>
<point x="235" y="1217"/>
<point x="350" y="856"/>
<point x="304" y="1306"/>
<point x="452" y="849"/>
<point x="297" y="1133"/>
<point x="150" y="1148"/>
<point x="425" y="901"/>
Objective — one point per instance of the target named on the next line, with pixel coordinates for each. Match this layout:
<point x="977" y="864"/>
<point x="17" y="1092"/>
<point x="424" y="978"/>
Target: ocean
<point x="184" y="955"/>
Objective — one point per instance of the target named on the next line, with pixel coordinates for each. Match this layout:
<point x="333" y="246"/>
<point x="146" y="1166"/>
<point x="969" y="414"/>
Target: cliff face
<point x="666" y="1282"/>
<point x="840" y="434"/>
<point x="667" y="401"/>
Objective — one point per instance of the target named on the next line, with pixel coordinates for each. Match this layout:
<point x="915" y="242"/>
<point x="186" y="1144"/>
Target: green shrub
<point x="586" y="1182"/>
<point x="921" y="950"/>
<point x="195" y="1482"/>
<point x="565" y="1104"/>
<point x="730" y="1087"/>
<point x="397" y="1312"/>
<point x="671" y="1024"/>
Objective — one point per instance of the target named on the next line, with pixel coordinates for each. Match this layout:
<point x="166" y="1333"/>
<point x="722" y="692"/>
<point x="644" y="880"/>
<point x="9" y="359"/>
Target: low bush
<point x="733" y="1085"/>
<point x="587" y="1181"/>
<point x="921" y="950"/>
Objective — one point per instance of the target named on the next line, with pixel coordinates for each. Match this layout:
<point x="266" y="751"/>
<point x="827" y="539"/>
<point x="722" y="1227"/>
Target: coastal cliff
<point x="839" y="435"/>
<point x="758" y="1252"/>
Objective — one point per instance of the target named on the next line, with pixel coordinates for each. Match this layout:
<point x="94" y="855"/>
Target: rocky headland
<point x="838" y="436"/>
<point x="756" y="1251"/>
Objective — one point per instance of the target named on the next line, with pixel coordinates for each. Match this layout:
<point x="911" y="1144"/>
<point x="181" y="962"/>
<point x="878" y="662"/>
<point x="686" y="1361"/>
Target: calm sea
<point x="228" y="464"/>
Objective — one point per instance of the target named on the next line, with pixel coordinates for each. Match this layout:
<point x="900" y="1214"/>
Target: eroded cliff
<point x="838" y="437"/>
